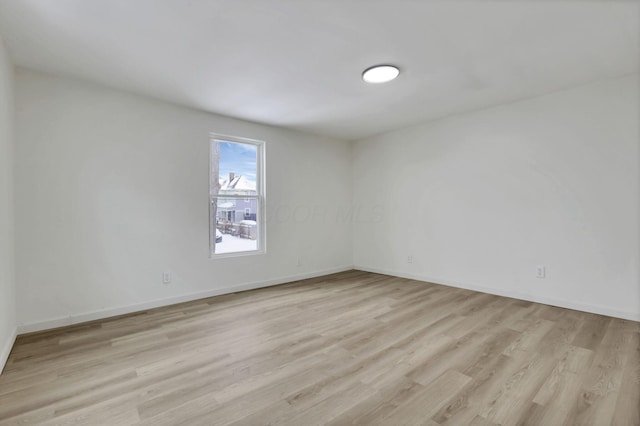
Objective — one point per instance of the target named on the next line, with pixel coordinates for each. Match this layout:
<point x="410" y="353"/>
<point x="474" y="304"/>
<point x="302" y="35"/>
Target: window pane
<point x="238" y="168"/>
<point x="236" y="225"/>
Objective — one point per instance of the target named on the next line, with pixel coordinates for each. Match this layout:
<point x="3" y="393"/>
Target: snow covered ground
<point x="231" y="244"/>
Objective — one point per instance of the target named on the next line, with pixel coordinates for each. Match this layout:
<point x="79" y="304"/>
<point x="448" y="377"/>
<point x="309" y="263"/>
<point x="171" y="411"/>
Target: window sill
<point x="236" y="254"/>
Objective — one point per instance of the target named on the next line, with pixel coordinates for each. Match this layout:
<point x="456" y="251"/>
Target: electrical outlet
<point x="541" y="271"/>
<point x="410" y="258"/>
<point x="299" y="262"/>
<point x="166" y="277"/>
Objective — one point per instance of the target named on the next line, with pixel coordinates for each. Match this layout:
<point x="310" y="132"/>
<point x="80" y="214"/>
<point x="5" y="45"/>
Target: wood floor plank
<point x="353" y="348"/>
<point x="566" y="379"/>
<point x="627" y="410"/>
<point x="601" y="386"/>
<point x="463" y="407"/>
<point x="415" y="409"/>
<point x="510" y="403"/>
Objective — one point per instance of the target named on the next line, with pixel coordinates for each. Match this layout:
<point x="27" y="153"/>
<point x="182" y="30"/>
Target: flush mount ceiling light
<point x="380" y="73"/>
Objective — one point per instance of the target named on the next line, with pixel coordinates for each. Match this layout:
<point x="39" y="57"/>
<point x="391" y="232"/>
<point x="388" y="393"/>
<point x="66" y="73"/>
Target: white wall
<point x="480" y="199"/>
<point x="7" y="277"/>
<point x="114" y="190"/>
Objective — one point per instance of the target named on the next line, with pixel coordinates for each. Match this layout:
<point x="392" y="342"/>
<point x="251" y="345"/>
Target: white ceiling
<point x="297" y="63"/>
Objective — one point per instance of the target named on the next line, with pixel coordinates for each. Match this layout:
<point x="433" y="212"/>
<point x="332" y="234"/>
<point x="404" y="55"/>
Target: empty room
<point x="319" y="212"/>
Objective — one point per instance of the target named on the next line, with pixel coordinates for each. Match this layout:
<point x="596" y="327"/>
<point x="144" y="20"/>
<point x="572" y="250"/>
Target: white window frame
<point x="260" y="197"/>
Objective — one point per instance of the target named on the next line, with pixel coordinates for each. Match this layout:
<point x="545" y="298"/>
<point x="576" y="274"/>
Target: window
<point x="236" y="195"/>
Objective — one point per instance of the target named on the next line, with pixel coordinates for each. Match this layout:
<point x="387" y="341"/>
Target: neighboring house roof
<point x="237" y="183"/>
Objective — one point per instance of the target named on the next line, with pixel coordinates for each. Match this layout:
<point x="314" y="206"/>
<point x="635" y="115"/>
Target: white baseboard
<point x="6" y="349"/>
<point x="601" y="310"/>
<point x="136" y="307"/>
<point x="110" y="312"/>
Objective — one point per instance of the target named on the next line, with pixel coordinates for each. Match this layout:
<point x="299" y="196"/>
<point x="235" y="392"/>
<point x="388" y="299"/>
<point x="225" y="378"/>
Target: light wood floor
<point x="350" y="348"/>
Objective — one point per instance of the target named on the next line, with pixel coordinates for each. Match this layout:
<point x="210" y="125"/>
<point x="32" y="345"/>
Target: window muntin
<point x="236" y="196"/>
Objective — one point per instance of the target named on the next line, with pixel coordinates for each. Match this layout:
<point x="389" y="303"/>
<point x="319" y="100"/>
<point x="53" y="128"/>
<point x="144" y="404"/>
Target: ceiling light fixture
<point x="380" y="73"/>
